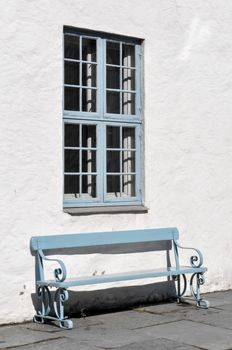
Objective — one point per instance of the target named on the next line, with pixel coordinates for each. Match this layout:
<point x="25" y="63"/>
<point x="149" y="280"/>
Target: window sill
<point x="130" y="209"/>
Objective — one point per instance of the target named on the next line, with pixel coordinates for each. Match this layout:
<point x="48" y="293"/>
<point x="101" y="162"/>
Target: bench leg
<point x="180" y="289"/>
<point x="195" y="290"/>
<point x="56" y="306"/>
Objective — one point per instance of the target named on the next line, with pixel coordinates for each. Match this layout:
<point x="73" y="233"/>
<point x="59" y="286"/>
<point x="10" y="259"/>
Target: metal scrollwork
<point x="195" y="260"/>
<point x="180" y="291"/>
<point x="195" y="289"/>
<point x="43" y="294"/>
<point x="60" y="297"/>
<point x="60" y="272"/>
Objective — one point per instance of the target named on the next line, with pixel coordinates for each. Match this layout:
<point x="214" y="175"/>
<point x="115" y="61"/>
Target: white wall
<point x="188" y="144"/>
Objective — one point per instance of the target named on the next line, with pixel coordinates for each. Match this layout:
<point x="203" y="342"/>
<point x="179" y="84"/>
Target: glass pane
<point x="89" y="74"/>
<point x="71" y="161"/>
<point x="71" y="135"/>
<point x="128" y="161"/>
<point x="71" y="73"/>
<point x="113" y="77"/>
<point x="113" y="137"/>
<point x="113" y="102"/>
<point x="71" y="185"/>
<point x="128" y="185"/>
<point x="128" y="103"/>
<point x="113" y="185"/>
<point x="89" y="188"/>
<point x="112" y="53"/>
<point x="71" y="99"/>
<point x="128" y="79"/>
<point x="89" y="50"/>
<point x="89" y="136"/>
<point x="89" y="100"/>
<point x="88" y="161"/>
<point x="113" y="161"/>
<point x="71" y="47"/>
<point x="128" y="137"/>
<point x="128" y="55"/>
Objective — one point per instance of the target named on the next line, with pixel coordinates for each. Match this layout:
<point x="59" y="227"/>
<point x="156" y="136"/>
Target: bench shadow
<point x="81" y="303"/>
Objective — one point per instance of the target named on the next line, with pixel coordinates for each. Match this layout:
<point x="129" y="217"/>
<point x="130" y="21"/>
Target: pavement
<point x="163" y="326"/>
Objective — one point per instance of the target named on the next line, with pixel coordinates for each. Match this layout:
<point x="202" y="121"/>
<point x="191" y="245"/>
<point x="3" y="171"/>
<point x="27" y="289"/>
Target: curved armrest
<point x="195" y="260"/>
<point x="59" y="273"/>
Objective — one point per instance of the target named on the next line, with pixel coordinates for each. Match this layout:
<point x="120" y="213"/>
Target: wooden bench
<point x="43" y="246"/>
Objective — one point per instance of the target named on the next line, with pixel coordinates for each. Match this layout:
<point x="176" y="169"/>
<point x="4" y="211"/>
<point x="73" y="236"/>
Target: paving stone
<point x="219" y="298"/>
<point x="227" y="307"/>
<point x="105" y="337"/>
<point x="213" y="317"/>
<point x="134" y="319"/>
<point x="159" y="344"/>
<point x="17" y="336"/>
<point x="192" y="333"/>
<point x="63" y="343"/>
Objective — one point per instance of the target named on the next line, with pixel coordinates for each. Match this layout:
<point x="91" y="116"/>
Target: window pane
<point x="71" y="161"/>
<point x="71" y="135"/>
<point x="128" y="137"/>
<point x="71" y="185"/>
<point x="128" y="185"/>
<point x="128" y="55"/>
<point x="128" y="79"/>
<point x="71" y="47"/>
<point x="128" y="161"/>
<point x="71" y="73"/>
<point x="88" y="100"/>
<point x="89" y="186"/>
<point x="113" y="185"/>
<point x="113" y="77"/>
<point x="113" y="137"/>
<point x="88" y="136"/>
<point x="128" y="103"/>
<point x="71" y="99"/>
<point x="88" y="161"/>
<point x="112" y="53"/>
<point x="89" y="50"/>
<point x="113" y="161"/>
<point x="89" y="74"/>
<point x="113" y="102"/>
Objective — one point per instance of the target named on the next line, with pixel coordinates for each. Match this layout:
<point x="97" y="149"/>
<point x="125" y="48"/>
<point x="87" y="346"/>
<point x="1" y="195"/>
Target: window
<point x="102" y="120"/>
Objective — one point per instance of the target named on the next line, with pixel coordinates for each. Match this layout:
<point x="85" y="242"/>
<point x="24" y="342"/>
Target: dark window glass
<point x="71" y="161"/>
<point x="71" y="135"/>
<point x="89" y="50"/>
<point x="112" y="53"/>
<point x="113" y="102"/>
<point x="113" y="137"/>
<point x="71" y="73"/>
<point x="89" y="100"/>
<point x="71" y="47"/>
<point x="71" y="99"/>
<point x="113" y="77"/>
<point x="71" y="185"/>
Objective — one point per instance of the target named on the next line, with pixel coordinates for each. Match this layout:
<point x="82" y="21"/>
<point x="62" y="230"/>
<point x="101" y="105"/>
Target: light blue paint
<point x="41" y="246"/>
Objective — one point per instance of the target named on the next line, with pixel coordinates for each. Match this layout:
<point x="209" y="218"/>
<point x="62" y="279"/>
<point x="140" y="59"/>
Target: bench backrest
<point x="81" y="240"/>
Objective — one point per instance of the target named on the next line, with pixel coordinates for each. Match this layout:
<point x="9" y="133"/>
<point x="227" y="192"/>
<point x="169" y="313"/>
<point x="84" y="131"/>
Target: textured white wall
<point x="188" y="144"/>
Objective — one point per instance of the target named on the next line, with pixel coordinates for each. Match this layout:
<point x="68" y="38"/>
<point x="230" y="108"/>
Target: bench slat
<point x="102" y="238"/>
<point x="126" y="276"/>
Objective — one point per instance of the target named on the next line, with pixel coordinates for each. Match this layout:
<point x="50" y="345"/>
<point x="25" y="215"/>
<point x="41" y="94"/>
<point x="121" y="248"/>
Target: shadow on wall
<point x="112" y="299"/>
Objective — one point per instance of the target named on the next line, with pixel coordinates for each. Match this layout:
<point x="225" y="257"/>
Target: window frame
<point x="102" y="119"/>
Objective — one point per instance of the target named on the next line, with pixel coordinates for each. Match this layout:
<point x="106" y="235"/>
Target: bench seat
<point x="126" y="276"/>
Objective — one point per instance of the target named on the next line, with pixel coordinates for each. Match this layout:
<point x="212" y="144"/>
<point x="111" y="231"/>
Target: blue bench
<point x="43" y="246"/>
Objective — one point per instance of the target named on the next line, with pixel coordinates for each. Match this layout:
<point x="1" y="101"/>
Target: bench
<point x="52" y="308"/>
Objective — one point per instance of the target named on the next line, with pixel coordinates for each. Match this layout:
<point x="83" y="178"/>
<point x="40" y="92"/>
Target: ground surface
<point x="166" y="326"/>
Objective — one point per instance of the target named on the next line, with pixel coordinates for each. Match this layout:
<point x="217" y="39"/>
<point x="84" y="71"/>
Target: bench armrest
<point x="60" y="273"/>
<point x="195" y="260"/>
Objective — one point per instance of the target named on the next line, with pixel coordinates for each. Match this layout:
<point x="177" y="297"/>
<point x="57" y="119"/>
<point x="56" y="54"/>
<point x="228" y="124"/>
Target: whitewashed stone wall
<point x="188" y="143"/>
